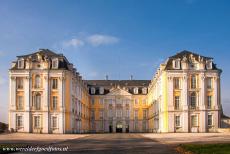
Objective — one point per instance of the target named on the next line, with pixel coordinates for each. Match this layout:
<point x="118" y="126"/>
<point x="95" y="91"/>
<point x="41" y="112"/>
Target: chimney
<point x="131" y="77"/>
<point x="106" y="77"/>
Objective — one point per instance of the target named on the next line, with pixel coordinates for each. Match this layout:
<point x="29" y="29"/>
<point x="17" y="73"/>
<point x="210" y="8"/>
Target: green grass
<point x="207" y="148"/>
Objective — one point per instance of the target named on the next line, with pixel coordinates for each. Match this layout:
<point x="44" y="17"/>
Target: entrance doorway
<point x="110" y="128"/>
<point x="127" y="128"/>
<point x="119" y="128"/>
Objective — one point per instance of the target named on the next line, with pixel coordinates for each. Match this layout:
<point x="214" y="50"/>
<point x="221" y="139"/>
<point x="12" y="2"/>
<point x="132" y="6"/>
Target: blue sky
<point x="115" y="37"/>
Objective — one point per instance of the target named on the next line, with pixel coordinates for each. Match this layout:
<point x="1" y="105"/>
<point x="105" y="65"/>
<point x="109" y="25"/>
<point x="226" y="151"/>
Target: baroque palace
<point x="48" y="95"/>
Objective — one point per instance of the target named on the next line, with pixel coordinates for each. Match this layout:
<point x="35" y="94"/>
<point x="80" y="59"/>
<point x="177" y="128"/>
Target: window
<point x="92" y="101"/>
<point x="92" y="114"/>
<point x="177" y="102"/>
<point x="144" y="125"/>
<point x="37" y="123"/>
<point x="144" y="101"/>
<point x="101" y="114"/>
<point x="19" y="102"/>
<point x="54" y="122"/>
<point x="101" y="101"/>
<point x="119" y="113"/>
<point x="54" y="102"/>
<point x="101" y="125"/>
<point x="210" y="120"/>
<point x="19" y="122"/>
<point x="209" y="83"/>
<point x="176" y="83"/>
<point x="110" y="101"/>
<point x="193" y="81"/>
<point x="193" y="100"/>
<point x="177" y="121"/>
<point x="19" y="83"/>
<point x="136" y="101"/>
<point x="37" y="81"/>
<point x="127" y="112"/>
<point x="177" y="64"/>
<point x="209" y="104"/>
<point x="55" y="63"/>
<point x="209" y="64"/>
<point x="110" y="113"/>
<point x="144" y="90"/>
<point x="20" y="64"/>
<point x="144" y="114"/>
<point x="136" y="125"/>
<point x="136" y="114"/>
<point x="54" y="83"/>
<point x="101" y="90"/>
<point x="194" y="121"/>
<point x="92" y="90"/>
<point x="135" y="90"/>
<point x="37" y="101"/>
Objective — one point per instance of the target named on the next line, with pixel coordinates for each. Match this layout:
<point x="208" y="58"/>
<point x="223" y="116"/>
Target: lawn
<point x="206" y="148"/>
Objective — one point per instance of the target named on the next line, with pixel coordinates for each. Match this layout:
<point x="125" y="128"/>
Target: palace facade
<point x="48" y="95"/>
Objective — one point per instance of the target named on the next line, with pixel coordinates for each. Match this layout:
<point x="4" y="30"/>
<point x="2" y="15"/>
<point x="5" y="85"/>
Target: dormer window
<point x="209" y="64"/>
<point x="101" y="90"/>
<point x="176" y="64"/>
<point x="144" y="90"/>
<point x="55" y="63"/>
<point x="135" y="90"/>
<point x="92" y="90"/>
<point x="21" y="64"/>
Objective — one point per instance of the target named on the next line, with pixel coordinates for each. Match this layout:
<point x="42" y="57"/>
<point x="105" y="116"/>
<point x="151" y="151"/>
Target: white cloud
<point x="92" y="40"/>
<point x="97" y="40"/>
<point x="74" y="43"/>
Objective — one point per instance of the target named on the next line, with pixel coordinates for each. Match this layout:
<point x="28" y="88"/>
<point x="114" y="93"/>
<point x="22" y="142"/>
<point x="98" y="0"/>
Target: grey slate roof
<point x="108" y="84"/>
<point x="186" y="54"/>
<point x="46" y="54"/>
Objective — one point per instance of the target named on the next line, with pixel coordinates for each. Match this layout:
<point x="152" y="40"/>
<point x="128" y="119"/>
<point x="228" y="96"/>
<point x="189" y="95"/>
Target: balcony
<point x="19" y="107"/>
<point x="193" y="107"/>
<point x="35" y="108"/>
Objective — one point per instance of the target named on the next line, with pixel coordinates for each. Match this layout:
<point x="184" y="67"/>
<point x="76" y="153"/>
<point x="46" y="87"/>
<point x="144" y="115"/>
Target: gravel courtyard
<point x="179" y="138"/>
<point x="114" y="143"/>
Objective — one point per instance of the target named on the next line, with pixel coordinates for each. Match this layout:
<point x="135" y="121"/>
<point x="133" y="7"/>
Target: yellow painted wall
<point x="68" y="97"/>
<point x="165" y="102"/>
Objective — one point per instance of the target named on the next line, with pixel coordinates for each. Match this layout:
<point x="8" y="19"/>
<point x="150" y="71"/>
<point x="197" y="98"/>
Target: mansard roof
<point x="186" y="55"/>
<point x="126" y="83"/>
<point x="46" y="55"/>
<point x="110" y="84"/>
<point x="44" y="52"/>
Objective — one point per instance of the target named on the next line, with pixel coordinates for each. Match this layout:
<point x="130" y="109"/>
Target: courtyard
<point x="112" y="143"/>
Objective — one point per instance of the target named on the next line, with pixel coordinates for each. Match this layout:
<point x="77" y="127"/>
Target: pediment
<point x="118" y="91"/>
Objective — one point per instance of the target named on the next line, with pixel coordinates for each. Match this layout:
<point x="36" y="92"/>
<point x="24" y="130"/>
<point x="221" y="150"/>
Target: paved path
<point x="115" y="144"/>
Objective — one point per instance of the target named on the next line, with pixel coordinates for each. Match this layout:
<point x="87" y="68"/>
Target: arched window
<point x="37" y="101"/>
<point x="193" y="100"/>
<point x="37" y="81"/>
